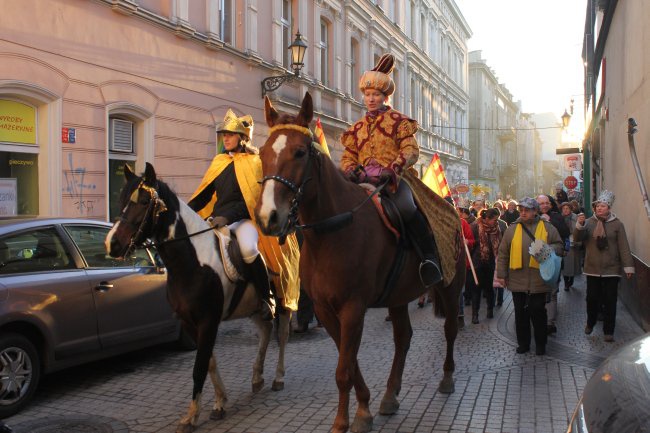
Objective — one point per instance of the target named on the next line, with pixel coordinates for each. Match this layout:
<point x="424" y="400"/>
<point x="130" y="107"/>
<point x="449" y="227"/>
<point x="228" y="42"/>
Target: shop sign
<point x="8" y="196"/>
<point x="573" y="162"/>
<point x="17" y="122"/>
<point x="68" y="135"/>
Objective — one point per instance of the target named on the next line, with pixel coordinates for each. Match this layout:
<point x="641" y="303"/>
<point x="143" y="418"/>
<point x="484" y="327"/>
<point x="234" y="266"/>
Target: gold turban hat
<point x="378" y="78"/>
<point x="240" y="125"/>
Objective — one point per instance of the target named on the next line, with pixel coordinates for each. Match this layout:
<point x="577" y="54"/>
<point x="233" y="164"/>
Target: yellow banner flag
<point x="320" y="138"/>
<point x="435" y="178"/>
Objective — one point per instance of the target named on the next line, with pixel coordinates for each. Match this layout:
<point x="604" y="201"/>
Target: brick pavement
<point x="496" y="389"/>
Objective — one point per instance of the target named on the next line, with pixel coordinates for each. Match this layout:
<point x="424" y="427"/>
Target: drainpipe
<point x="631" y="130"/>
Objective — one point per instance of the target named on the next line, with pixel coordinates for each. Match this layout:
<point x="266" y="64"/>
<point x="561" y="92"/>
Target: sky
<point x="534" y="48"/>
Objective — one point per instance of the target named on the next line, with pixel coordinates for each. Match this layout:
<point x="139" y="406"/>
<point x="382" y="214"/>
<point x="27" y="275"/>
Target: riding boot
<point x="421" y="235"/>
<point x="259" y="276"/>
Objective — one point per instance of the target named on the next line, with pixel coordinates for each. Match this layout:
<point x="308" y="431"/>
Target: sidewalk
<point x="497" y="390"/>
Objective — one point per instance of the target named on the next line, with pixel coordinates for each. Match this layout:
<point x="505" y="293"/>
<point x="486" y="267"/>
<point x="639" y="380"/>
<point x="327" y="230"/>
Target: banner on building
<point x="17" y="122"/>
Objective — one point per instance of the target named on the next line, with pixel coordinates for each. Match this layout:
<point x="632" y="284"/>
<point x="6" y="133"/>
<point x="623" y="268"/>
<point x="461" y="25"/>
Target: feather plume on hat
<point x="378" y="78"/>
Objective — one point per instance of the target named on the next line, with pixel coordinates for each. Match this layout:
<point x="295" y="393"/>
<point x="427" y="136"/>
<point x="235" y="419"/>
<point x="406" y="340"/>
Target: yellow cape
<point x="284" y="259"/>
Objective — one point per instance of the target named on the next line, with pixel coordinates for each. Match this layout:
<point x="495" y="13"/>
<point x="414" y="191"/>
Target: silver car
<point x="64" y="301"/>
<point x="617" y="397"/>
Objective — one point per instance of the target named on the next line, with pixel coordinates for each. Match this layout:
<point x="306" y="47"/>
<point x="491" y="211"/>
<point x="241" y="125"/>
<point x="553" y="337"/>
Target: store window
<point x="18" y="158"/>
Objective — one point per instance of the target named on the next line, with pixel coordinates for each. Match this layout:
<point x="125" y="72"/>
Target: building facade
<point x="617" y="81"/>
<point x="501" y="137"/>
<point x="100" y="83"/>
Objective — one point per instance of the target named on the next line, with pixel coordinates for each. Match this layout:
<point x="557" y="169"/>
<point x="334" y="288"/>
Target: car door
<point x="46" y="287"/>
<point x="130" y="295"/>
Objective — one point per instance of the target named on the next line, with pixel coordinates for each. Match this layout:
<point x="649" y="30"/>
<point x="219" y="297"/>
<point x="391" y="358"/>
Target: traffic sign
<point x="570" y="182"/>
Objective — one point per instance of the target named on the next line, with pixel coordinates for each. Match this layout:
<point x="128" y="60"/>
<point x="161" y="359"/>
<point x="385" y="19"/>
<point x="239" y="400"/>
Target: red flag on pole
<point x="435" y="178"/>
<point x="320" y="138"/>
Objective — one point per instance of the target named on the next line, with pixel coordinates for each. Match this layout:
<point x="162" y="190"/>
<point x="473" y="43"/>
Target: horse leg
<point x="346" y="329"/>
<point x="207" y="334"/>
<point x="220" y="398"/>
<point x="283" y="335"/>
<point x="449" y="296"/>
<point x="264" y="328"/>
<point x="402" y="333"/>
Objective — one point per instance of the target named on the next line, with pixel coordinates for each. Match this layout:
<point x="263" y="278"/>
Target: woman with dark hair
<point x="487" y="237"/>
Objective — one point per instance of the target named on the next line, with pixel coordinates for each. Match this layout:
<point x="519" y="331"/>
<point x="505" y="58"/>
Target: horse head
<point x="287" y="157"/>
<point x="141" y="208"/>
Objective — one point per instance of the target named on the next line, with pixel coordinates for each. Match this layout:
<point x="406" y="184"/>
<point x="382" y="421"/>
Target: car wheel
<point x="20" y="370"/>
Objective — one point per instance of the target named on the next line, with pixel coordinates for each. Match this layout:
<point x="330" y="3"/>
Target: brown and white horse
<point x="345" y="258"/>
<point x="197" y="286"/>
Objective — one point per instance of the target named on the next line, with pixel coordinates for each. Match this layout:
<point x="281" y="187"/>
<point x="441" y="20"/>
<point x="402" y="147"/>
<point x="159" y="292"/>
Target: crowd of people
<point x="499" y="243"/>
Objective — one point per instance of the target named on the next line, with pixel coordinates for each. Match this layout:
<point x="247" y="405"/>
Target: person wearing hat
<point x="607" y="257"/>
<point x="518" y="270"/>
<point x="571" y="266"/>
<point x="379" y="148"/>
<point x="227" y="196"/>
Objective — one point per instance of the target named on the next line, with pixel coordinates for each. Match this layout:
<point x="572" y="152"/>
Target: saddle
<point x="231" y="257"/>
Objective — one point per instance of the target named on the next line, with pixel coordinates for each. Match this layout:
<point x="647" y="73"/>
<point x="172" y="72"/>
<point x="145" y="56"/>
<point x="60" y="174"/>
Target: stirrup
<point x="429" y="273"/>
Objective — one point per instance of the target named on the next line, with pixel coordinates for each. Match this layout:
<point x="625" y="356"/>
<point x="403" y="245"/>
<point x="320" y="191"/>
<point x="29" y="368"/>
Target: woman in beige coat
<point x="607" y="257"/>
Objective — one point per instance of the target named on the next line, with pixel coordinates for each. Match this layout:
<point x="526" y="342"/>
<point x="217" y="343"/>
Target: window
<point x="34" y="251"/>
<point x="285" y="21"/>
<point x="90" y="241"/>
<point x="116" y="181"/>
<point x="354" y="66"/>
<point x="324" y="52"/>
<point x="121" y="136"/>
<point x="226" y="21"/>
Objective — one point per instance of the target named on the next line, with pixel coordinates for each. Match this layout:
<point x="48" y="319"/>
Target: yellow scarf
<point x="516" y="250"/>
<point x="281" y="259"/>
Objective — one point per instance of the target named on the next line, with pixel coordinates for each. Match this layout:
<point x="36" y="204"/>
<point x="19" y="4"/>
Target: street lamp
<point x="566" y="118"/>
<point x="298" y="48"/>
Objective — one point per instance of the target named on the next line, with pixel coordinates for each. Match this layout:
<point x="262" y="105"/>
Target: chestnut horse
<point x="345" y="258"/>
<point x="197" y="286"/>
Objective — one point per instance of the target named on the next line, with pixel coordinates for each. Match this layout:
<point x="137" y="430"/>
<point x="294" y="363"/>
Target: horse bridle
<point x="298" y="191"/>
<point x="327" y="224"/>
<point x="155" y="207"/>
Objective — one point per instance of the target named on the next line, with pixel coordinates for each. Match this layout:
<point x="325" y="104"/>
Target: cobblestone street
<point x="496" y="389"/>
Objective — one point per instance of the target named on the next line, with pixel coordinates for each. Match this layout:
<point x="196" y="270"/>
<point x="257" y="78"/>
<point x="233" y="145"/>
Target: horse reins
<point x="157" y="206"/>
<point x="328" y="224"/>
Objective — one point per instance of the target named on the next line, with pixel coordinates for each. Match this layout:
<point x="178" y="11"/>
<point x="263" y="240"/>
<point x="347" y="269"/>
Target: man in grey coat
<point x="519" y="272"/>
<point x="607" y="257"/>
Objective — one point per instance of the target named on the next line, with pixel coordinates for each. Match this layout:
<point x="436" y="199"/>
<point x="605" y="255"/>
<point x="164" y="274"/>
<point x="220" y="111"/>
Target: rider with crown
<point x="228" y="194"/>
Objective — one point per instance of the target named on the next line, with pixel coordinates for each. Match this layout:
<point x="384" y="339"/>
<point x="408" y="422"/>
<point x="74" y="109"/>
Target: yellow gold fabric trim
<point x="302" y="129"/>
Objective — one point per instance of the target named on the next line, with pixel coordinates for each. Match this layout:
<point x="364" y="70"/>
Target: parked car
<point x="616" y="398"/>
<point x="64" y="301"/>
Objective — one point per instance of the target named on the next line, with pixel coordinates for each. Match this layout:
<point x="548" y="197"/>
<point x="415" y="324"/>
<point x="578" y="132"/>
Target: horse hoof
<point x="185" y="428"/>
<point x="257" y="387"/>
<point x="447" y="386"/>
<point x="217" y="414"/>
<point x="388" y="406"/>
<point x="361" y="424"/>
<point x="277" y="385"/>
